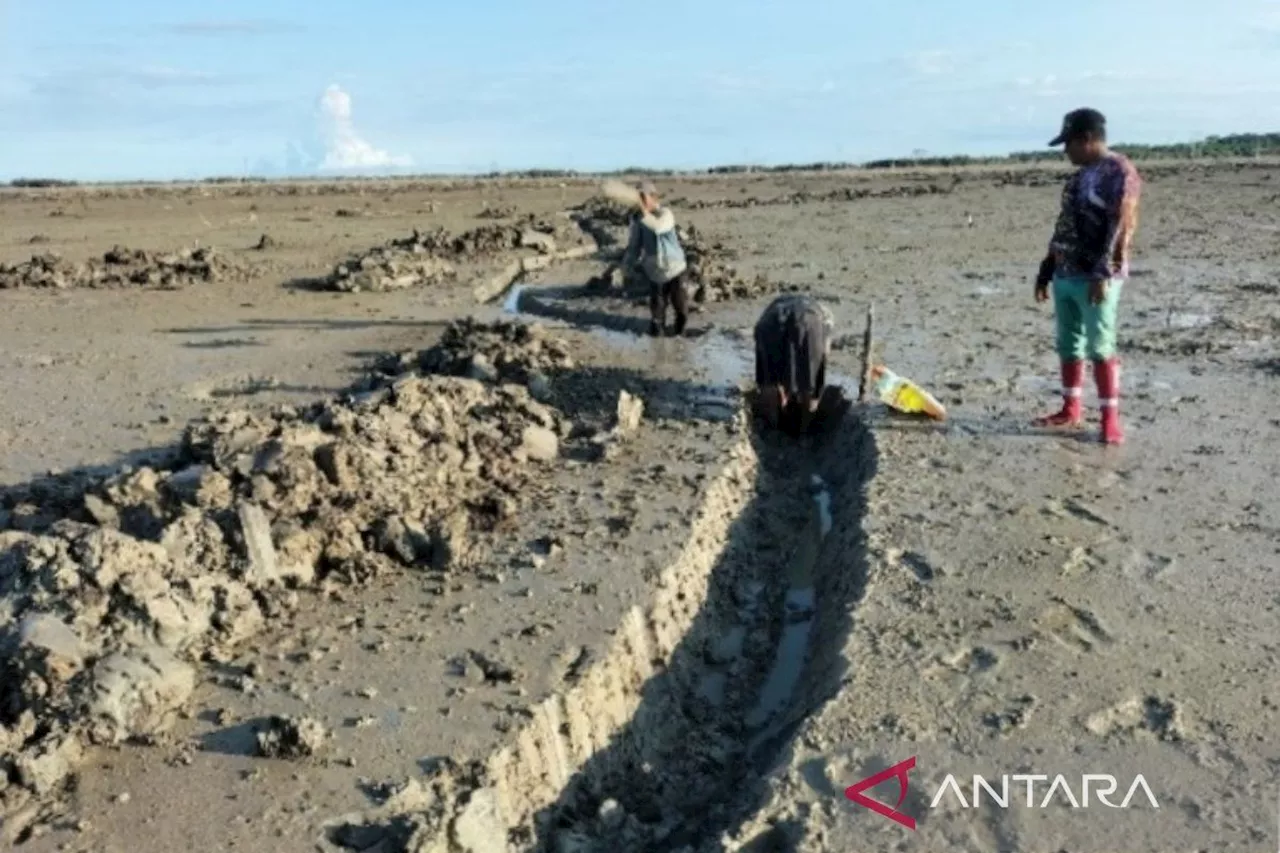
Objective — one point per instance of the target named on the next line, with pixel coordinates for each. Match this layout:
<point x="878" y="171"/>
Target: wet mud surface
<point x="550" y="590"/>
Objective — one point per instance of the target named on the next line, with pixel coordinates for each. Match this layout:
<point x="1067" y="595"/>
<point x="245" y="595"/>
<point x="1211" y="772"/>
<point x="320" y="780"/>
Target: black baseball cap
<point x="1080" y="122"/>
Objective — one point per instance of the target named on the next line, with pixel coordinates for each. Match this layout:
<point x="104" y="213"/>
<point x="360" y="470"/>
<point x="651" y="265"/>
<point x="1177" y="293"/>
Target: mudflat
<point x="365" y="516"/>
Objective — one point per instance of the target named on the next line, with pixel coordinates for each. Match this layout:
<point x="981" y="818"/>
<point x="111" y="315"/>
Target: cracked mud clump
<point x="605" y="211"/>
<point x="798" y="197"/>
<point x="522" y="353"/>
<point x="430" y="257"/>
<point x="711" y="276"/>
<point x="113" y="589"/>
<point x="121" y="267"/>
<point x="291" y="737"/>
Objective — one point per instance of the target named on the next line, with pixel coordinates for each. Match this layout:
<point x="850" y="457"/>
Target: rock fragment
<point x="137" y="694"/>
<point x="629" y="412"/>
<point x="540" y="387"/>
<point x="544" y="243"/>
<point x="541" y="444"/>
<point x="262" y="569"/>
<point x="292" y="737"/>
<point x="50" y="640"/>
<point x="42" y="770"/>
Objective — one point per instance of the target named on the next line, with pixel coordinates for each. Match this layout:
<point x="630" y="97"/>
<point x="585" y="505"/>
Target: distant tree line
<point x="41" y="183"/>
<point x="1240" y="145"/>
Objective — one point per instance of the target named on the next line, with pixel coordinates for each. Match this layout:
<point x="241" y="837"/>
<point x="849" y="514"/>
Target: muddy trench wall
<point x="660" y="745"/>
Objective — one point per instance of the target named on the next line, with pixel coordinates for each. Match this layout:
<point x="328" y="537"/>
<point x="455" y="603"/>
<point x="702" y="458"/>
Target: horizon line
<point x="1024" y="156"/>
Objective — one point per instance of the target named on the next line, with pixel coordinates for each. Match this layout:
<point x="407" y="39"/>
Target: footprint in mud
<point x="961" y="670"/>
<point x="972" y="661"/>
<point x="1015" y="715"/>
<point x="242" y="386"/>
<point x="1079" y="561"/>
<point x="1147" y="566"/>
<point x="1073" y="627"/>
<point x="920" y="566"/>
<point x="1161" y="718"/>
<point x="1076" y="508"/>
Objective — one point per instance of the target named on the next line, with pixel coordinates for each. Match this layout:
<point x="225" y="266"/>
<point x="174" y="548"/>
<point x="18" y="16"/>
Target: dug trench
<point x="701" y="691"/>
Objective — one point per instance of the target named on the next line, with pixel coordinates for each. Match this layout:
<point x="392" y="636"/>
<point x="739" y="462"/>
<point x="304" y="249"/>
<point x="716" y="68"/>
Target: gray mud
<point x="698" y="691"/>
<point x="626" y="673"/>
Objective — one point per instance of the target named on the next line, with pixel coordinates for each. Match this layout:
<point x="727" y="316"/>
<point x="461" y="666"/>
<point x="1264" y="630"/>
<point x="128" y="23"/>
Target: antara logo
<point x="900" y="771"/>
<point x="1060" y="789"/>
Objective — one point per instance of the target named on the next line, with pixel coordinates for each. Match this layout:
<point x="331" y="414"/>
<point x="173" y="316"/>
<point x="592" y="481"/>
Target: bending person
<point x="793" y="341"/>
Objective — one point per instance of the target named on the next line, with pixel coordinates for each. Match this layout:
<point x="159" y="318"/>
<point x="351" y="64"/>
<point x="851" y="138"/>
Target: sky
<point x="174" y="89"/>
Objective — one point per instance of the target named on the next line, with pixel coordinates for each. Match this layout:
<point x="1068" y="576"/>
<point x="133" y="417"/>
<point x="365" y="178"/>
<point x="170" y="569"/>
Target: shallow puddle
<point x="1183" y="320"/>
<point x="799" y="607"/>
<point x="719" y="358"/>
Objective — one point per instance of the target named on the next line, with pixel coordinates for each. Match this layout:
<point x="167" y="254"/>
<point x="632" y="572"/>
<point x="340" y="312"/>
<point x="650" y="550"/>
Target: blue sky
<point x="178" y="89"/>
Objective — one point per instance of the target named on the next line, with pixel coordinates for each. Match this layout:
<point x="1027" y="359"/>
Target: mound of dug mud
<point x="113" y="589"/>
<point x="807" y="197"/>
<point x="711" y="277"/>
<point x="604" y="219"/>
<point x="427" y="258"/>
<point x="121" y="267"/>
<point x="501" y="211"/>
<point x="494" y="352"/>
<point x="385" y="268"/>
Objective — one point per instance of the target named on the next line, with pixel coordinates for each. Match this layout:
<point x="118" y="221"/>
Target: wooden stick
<point x="865" y="384"/>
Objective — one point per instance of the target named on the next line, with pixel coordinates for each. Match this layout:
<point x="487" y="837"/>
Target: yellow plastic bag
<point x="903" y="395"/>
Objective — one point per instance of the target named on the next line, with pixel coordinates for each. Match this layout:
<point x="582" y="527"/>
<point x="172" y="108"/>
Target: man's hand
<point x="1098" y="290"/>
<point x="770" y="402"/>
<point x="1043" y="277"/>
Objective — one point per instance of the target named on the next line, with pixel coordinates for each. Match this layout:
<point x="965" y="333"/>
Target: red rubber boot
<point x="1072" y="388"/>
<point x="1107" y="375"/>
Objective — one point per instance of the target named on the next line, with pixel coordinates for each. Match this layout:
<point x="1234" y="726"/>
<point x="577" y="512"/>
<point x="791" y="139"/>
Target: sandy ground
<point x="987" y="599"/>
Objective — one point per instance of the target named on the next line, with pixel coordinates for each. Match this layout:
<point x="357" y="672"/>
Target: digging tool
<point x="864" y="384"/>
<point x="623" y="194"/>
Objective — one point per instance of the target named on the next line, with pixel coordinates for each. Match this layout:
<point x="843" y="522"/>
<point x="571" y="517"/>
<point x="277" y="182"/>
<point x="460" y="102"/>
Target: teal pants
<point x="1085" y="330"/>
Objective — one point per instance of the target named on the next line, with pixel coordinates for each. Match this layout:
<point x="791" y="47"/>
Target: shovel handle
<point x="865" y="383"/>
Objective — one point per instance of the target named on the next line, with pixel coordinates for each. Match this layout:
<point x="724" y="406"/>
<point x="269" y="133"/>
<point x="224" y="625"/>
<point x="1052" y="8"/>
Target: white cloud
<point x="246" y="27"/>
<point x="164" y="75"/>
<point x="930" y="63"/>
<point x="731" y="83"/>
<point x="344" y="147"/>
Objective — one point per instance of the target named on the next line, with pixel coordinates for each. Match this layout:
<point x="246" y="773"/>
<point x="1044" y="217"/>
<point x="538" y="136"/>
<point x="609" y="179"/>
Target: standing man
<point x="1087" y="265"/>
<point x="793" y="341"/>
<point x="653" y="243"/>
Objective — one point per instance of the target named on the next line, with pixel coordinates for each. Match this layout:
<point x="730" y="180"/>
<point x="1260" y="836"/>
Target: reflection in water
<point x="798" y="614"/>
<point x="720" y="359"/>
<point x="1176" y="320"/>
<point x="512" y="303"/>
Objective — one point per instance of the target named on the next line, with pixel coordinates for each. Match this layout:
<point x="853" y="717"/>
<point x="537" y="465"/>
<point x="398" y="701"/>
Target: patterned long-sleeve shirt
<point x="1098" y="219"/>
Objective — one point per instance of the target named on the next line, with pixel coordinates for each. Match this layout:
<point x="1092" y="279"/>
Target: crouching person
<point x="793" y="342"/>
<point x="655" y="246"/>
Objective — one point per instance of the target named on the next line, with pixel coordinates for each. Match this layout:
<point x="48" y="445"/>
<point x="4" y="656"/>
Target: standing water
<point x="798" y="608"/>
